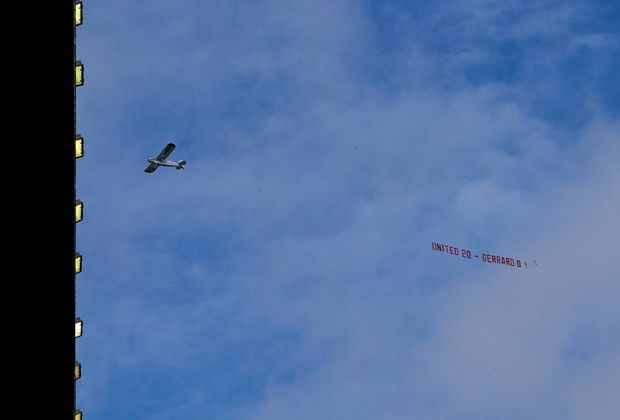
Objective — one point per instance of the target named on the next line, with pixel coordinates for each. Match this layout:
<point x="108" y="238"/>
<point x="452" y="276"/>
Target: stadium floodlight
<point x="78" y="12"/>
<point x="79" y="146"/>
<point x="78" y="262"/>
<point x="78" y="327"/>
<point x="79" y="211"/>
<point x="79" y="73"/>
<point x="77" y="371"/>
<point x="78" y="415"/>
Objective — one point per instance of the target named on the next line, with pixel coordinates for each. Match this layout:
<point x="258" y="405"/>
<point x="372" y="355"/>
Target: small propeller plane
<point x="160" y="160"/>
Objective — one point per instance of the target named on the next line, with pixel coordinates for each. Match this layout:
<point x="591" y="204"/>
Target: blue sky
<point x="288" y="273"/>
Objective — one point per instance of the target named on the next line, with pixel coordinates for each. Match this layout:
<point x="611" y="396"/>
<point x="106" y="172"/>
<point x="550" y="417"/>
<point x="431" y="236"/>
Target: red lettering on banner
<point x="487" y="258"/>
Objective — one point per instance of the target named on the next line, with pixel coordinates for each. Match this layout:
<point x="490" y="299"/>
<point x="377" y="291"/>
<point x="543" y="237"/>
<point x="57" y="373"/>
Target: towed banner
<point x="484" y="257"/>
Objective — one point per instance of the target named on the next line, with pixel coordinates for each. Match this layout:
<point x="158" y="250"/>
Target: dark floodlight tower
<point x="46" y="108"/>
<point x="78" y="204"/>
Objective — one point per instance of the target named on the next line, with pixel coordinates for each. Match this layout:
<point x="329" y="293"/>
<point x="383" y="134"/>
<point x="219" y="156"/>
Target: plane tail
<point x="182" y="164"/>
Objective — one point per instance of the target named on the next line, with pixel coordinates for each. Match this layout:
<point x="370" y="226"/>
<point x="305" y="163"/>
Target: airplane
<point x="160" y="160"/>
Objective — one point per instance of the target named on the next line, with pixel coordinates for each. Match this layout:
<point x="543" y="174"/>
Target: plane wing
<point x="151" y="167"/>
<point x="166" y="152"/>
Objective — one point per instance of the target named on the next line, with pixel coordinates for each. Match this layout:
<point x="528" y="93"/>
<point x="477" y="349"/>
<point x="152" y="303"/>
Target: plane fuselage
<point x="164" y="162"/>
